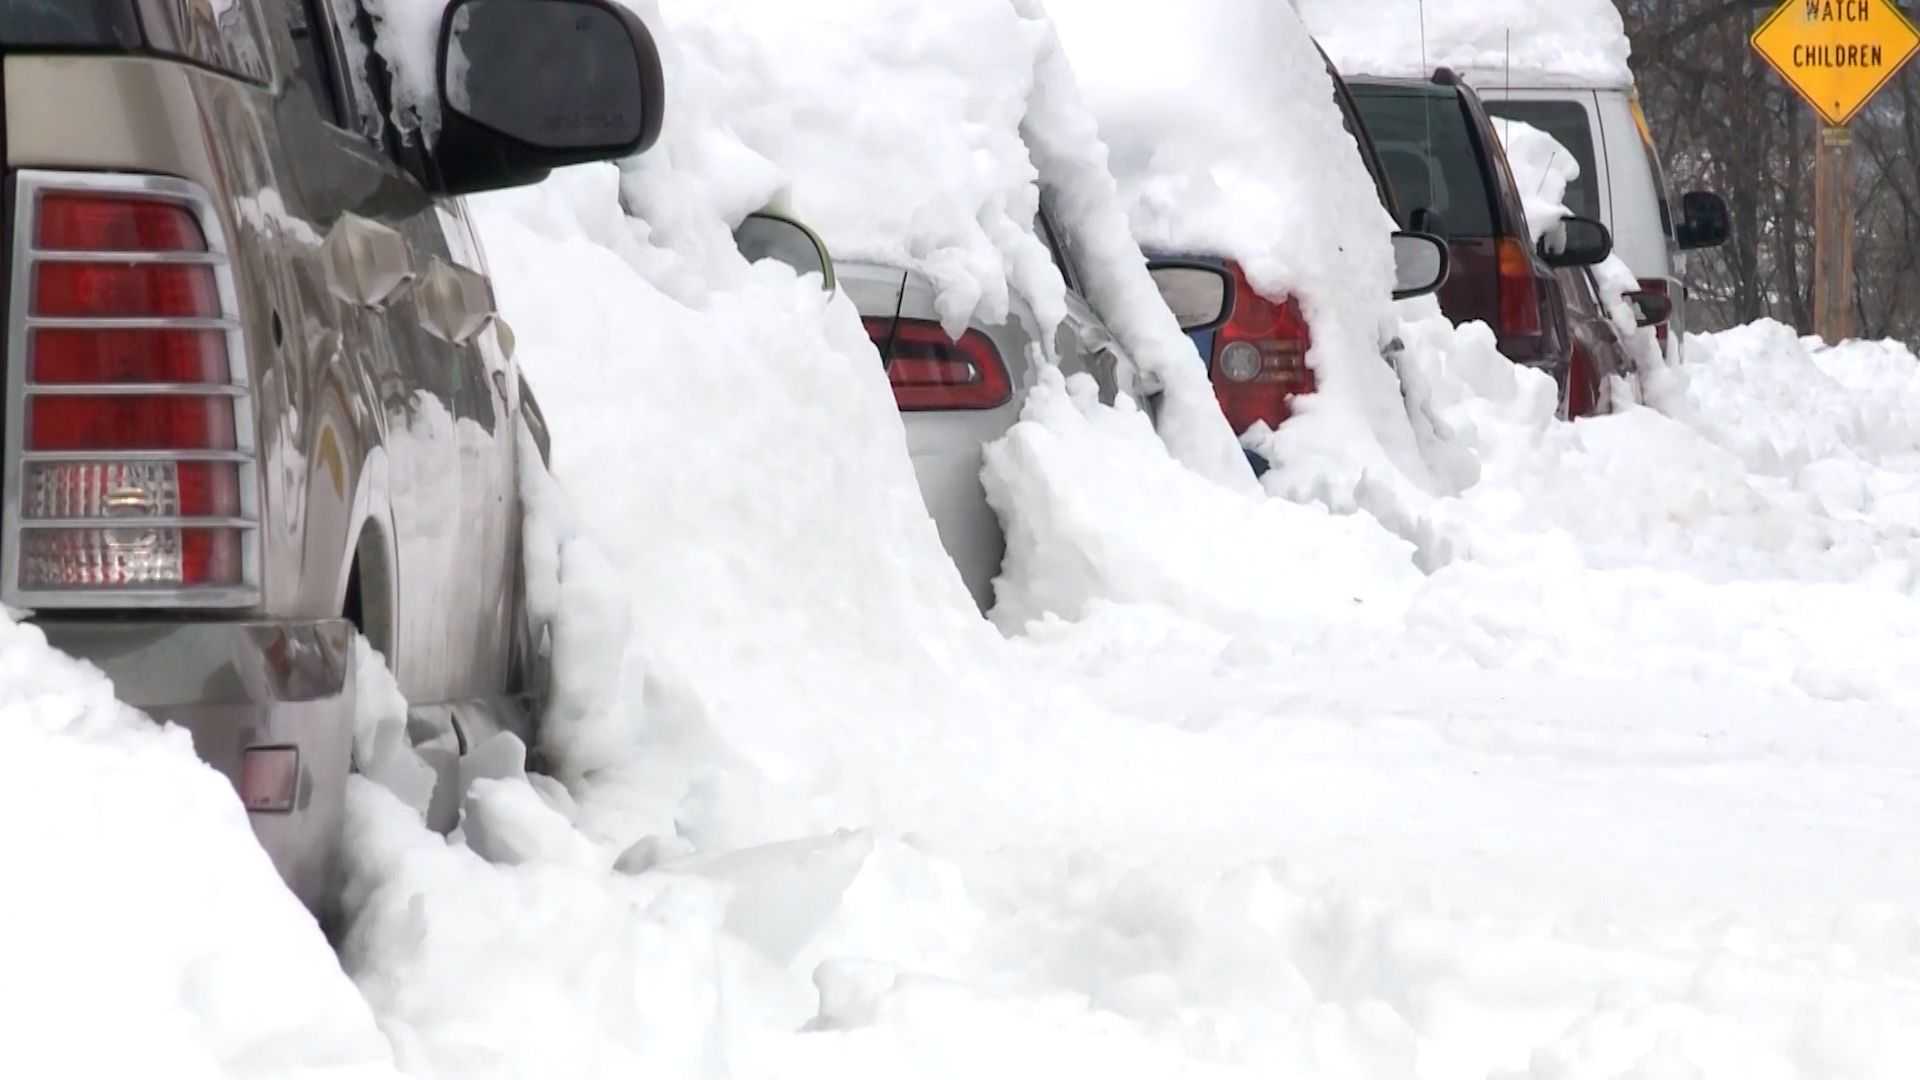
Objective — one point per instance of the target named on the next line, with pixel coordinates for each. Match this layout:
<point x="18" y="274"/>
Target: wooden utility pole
<point x="1833" y="234"/>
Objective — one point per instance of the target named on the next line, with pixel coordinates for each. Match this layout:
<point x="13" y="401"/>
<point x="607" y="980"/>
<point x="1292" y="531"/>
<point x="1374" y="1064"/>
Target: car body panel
<point x="1600" y="354"/>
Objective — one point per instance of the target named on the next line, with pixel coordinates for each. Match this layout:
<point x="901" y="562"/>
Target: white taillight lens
<point x="1241" y="362"/>
<point x="134" y="436"/>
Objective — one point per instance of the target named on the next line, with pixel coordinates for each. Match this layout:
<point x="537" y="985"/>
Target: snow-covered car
<point x="258" y="395"/>
<point x="956" y="395"/>
<point x="1446" y="164"/>
<point x="1257" y="354"/>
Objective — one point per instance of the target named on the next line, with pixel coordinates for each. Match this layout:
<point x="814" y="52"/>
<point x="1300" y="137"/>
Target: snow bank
<point x="886" y="126"/>
<point x="1524" y="42"/>
<point x="1543" y="169"/>
<point x="144" y="931"/>
<point x="1226" y="142"/>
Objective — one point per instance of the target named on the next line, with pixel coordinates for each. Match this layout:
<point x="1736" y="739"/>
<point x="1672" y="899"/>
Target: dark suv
<point x="1449" y="173"/>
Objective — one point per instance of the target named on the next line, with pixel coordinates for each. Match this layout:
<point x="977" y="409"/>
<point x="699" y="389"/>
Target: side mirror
<point x="1421" y="263"/>
<point x="526" y="88"/>
<point x="1200" y="294"/>
<point x="1650" y="308"/>
<point x="1705" y="221"/>
<point x="1577" y="241"/>
<point x="1430" y="221"/>
<point x="773" y="236"/>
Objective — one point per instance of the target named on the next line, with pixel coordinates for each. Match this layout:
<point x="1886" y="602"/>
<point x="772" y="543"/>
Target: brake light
<point x="1260" y="358"/>
<point x="1519" y="291"/>
<point x="933" y="372"/>
<point x="135" y="456"/>
<point x="1659" y="286"/>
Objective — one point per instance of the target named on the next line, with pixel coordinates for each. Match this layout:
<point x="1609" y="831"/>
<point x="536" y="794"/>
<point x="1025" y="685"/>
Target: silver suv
<point x="257" y="394"/>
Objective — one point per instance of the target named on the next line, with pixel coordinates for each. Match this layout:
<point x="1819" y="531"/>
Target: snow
<point x="1515" y="42"/>
<point x="142" y="926"/>
<point x="1589" y="755"/>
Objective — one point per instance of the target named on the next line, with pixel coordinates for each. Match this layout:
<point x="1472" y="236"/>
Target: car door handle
<point x="367" y="263"/>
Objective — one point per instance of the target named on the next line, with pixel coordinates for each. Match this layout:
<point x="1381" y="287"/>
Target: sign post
<point x="1837" y="54"/>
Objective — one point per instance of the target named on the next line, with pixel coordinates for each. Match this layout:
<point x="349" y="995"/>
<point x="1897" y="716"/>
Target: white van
<point x="1621" y="182"/>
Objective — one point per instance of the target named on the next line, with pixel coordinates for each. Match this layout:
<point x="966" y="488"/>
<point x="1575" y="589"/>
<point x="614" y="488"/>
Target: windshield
<point x="67" y="22"/>
<point x="1428" y="152"/>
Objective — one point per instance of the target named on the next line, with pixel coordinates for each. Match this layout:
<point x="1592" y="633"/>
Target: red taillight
<point x="73" y="221"/>
<point x="1660" y="287"/>
<point x="1260" y="359"/>
<point x="1519" y="291"/>
<point x="134" y="466"/>
<point x="931" y="371"/>
<point x="125" y="291"/>
<point x="130" y="356"/>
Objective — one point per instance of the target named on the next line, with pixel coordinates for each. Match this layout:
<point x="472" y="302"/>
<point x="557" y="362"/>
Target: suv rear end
<point x="1443" y="158"/>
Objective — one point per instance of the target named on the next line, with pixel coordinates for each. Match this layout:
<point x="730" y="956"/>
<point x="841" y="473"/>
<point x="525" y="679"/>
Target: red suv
<point x="1447" y="168"/>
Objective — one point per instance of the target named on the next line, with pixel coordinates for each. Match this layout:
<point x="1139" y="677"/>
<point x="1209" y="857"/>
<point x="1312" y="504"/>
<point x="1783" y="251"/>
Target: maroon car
<point x="1600" y="352"/>
<point x="1448" y="170"/>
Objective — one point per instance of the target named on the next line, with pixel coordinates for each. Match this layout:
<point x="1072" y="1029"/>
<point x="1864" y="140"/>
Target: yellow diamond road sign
<point x="1837" y="53"/>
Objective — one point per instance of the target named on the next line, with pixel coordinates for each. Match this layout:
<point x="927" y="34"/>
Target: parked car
<point x="1621" y="183"/>
<point x="958" y="395"/>
<point x="1446" y="164"/>
<point x="258" y="396"/>
<point x="1601" y="353"/>
<point x="1256" y="353"/>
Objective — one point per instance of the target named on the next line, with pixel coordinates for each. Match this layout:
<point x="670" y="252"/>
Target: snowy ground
<point x="1592" y="755"/>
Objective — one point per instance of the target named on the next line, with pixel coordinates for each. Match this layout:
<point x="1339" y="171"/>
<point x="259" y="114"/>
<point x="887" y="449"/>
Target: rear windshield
<point x="1567" y="122"/>
<point x="1427" y="148"/>
<point x="67" y="22"/>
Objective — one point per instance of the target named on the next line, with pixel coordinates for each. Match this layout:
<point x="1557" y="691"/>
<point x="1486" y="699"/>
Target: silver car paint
<point x="380" y="442"/>
<point x="947" y="446"/>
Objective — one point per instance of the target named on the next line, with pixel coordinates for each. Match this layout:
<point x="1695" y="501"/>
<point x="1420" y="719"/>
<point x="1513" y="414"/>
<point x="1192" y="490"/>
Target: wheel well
<point x="368" y="603"/>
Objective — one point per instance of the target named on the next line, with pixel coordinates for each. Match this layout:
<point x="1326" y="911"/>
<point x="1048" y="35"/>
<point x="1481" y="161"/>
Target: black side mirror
<point x="1430" y="221"/>
<point x="1705" y="221"/>
<point x="1650" y="308"/>
<point x="527" y="87"/>
<point x="1576" y="241"/>
<point x="768" y="235"/>
<point x="1421" y="263"/>
<point x="1200" y="294"/>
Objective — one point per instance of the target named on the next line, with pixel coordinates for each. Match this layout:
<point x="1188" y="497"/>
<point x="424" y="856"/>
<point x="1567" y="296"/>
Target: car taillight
<point x="1260" y="358"/>
<point x="933" y="372"/>
<point x="132" y="441"/>
<point x="1519" y="291"/>
<point x="1660" y="287"/>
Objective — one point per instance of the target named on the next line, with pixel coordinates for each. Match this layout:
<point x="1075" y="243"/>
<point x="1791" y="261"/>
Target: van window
<point x="1568" y="123"/>
<point x="1428" y="152"/>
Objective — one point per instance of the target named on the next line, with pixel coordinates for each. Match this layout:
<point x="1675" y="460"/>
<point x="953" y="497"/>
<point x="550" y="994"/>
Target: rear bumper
<point x="244" y="685"/>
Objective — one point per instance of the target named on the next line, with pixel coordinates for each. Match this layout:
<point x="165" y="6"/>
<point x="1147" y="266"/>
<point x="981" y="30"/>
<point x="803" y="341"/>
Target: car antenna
<point x="1426" y="113"/>
<point x="893" y="328"/>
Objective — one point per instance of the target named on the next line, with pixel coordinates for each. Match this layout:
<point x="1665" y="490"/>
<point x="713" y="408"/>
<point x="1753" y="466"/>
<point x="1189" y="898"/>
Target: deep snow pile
<point x="897" y="132"/>
<point x="1521" y="42"/>
<point x="144" y="931"/>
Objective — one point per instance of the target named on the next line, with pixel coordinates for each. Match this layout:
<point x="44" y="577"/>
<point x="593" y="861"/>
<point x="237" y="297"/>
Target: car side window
<point x="314" y="62"/>
<point x="1043" y="224"/>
